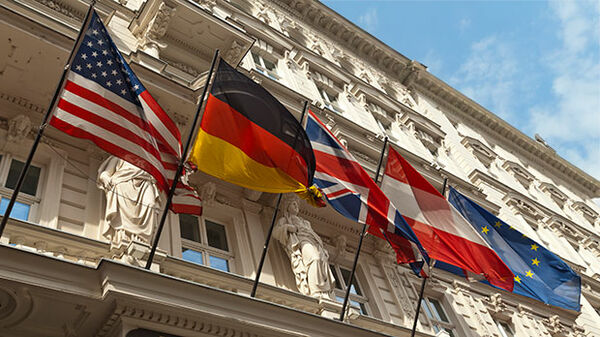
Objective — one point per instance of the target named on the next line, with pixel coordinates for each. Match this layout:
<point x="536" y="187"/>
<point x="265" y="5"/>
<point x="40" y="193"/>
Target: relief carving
<point x="18" y="128"/>
<point x="157" y="28"/>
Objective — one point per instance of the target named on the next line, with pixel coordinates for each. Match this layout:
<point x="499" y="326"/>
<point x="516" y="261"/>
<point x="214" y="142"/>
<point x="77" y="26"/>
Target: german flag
<point x="248" y="138"/>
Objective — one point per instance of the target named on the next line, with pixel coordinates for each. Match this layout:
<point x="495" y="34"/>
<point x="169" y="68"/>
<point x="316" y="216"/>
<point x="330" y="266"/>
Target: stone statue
<point x="132" y="201"/>
<point x="308" y="257"/>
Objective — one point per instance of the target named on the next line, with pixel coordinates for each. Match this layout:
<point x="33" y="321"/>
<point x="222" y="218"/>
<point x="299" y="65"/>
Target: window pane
<point x="20" y="211"/>
<point x="425" y="307"/>
<point x="192" y="256"/>
<point x="354" y="289"/>
<point x="256" y="59"/>
<point x="217" y="238"/>
<point x="439" y="311"/>
<point x="338" y="283"/>
<point x="218" y="263"/>
<point x="188" y="225"/>
<point x="361" y="306"/>
<point x="450" y="332"/>
<point x="269" y="65"/>
<point x="505" y="330"/>
<point x="31" y="179"/>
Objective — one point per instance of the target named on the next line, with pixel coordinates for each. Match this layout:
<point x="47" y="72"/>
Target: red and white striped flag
<point x="104" y="101"/>
<point x="441" y="229"/>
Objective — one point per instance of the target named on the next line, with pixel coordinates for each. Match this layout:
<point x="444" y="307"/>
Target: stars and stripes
<point x="351" y="191"/>
<point x="103" y="101"/>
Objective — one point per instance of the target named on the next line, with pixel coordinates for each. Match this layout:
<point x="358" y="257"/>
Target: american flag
<point x="351" y="191"/>
<point x="103" y="101"/>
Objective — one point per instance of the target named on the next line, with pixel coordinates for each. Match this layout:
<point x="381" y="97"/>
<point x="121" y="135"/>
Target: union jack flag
<point x="352" y="192"/>
<point x="103" y="101"/>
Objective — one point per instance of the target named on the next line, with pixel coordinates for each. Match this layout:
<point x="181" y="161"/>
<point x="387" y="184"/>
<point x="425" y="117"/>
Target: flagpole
<point x="268" y="239"/>
<point x="44" y="122"/>
<point x="360" y="240"/>
<point x="414" y="328"/>
<point x="198" y="116"/>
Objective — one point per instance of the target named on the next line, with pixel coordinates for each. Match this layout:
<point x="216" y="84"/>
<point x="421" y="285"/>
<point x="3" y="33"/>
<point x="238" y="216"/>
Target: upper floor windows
<point x="505" y="329"/>
<point x="330" y="99"/>
<point x="357" y="297"/>
<point x="265" y="66"/>
<point x="28" y="199"/>
<point x="437" y="315"/>
<point x="205" y="242"/>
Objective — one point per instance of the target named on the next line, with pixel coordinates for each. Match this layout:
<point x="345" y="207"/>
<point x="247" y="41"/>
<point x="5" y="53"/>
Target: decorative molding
<point x="427" y="131"/>
<point x="22" y="102"/>
<point x="554" y="192"/>
<point x="519" y="172"/>
<point x="62" y="8"/>
<point x="585" y="210"/>
<point x="554" y="326"/>
<point x="483" y="153"/>
<point x="528" y="211"/>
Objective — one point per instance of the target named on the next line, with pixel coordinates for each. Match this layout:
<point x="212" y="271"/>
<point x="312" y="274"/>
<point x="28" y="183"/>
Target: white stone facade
<point x="60" y="277"/>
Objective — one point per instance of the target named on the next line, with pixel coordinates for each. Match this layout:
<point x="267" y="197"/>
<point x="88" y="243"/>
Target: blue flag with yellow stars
<point x="539" y="273"/>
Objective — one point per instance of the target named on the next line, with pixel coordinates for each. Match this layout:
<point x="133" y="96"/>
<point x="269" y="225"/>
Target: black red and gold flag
<point x="247" y="137"/>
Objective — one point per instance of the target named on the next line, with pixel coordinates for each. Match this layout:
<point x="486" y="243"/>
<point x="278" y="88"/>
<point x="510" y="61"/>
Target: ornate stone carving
<point x="585" y="210"/>
<point x="208" y="192"/>
<point x="519" y="172"/>
<point x="530" y="213"/>
<point x="425" y="130"/>
<point x="234" y="53"/>
<point x="157" y="28"/>
<point x="15" y="306"/>
<point x="61" y="8"/>
<point x="132" y="201"/>
<point x="309" y="259"/>
<point x="555" y="328"/>
<point x="483" y="153"/>
<point x="559" y="197"/>
<point x="340" y="242"/>
<point x="207" y="4"/>
<point x="18" y="128"/>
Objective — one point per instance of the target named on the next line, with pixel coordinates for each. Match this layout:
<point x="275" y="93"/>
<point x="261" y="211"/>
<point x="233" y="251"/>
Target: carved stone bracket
<point x="530" y="213"/>
<point x="585" y="210"/>
<point x="483" y="153"/>
<point x="156" y="28"/>
<point x="553" y="191"/>
<point x="519" y="172"/>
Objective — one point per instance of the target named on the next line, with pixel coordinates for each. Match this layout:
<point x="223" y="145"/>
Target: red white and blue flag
<point x="442" y="230"/>
<point x="353" y="193"/>
<point x="103" y="101"/>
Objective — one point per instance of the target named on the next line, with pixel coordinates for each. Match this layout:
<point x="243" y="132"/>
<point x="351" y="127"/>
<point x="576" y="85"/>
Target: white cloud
<point x="571" y="122"/>
<point x="369" y="20"/>
<point x="488" y="76"/>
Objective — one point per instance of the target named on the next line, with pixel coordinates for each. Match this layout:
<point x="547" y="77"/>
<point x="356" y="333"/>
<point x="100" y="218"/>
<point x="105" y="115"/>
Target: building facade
<point x="60" y="276"/>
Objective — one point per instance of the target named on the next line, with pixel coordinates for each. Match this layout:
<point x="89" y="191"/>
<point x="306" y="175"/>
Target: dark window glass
<point x="439" y="310"/>
<point x="217" y="238"/>
<point x="189" y="227"/>
<point x="31" y="179"/>
<point x="354" y="289"/>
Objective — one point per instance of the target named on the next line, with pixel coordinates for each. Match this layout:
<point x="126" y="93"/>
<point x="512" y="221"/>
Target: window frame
<point x="362" y="299"/>
<point x="33" y="201"/>
<point x="204" y="248"/>
<point x="328" y="102"/>
<point x="437" y="323"/>
<point x="502" y="326"/>
<point x="261" y="67"/>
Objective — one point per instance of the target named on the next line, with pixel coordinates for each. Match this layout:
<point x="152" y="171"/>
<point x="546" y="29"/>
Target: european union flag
<point x="539" y="273"/>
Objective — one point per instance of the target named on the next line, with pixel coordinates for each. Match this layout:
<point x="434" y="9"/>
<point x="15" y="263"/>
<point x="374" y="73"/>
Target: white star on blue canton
<point x="78" y="67"/>
<point x="105" y="52"/>
<point x="114" y="72"/>
<point x="109" y="62"/>
<point x="89" y="66"/>
<point x="108" y="84"/>
<point x="99" y="64"/>
<point x="119" y="82"/>
<point x="123" y="92"/>
<point x="95" y="32"/>
<point x="94" y="75"/>
<point x="136" y="87"/>
<point x="100" y="42"/>
<point x="84" y="56"/>
<point x="104" y="73"/>
<point x="94" y="54"/>
<point x="90" y="44"/>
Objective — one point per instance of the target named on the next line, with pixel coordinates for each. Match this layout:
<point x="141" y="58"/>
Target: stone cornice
<point x="500" y="130"/>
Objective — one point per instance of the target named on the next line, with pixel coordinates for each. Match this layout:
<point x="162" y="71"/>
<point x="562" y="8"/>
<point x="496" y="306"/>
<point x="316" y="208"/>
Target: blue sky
<point x="536" y="64"/>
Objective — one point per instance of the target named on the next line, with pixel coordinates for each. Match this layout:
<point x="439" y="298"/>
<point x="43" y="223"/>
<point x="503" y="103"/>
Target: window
<point x="265" y="66"/>
<point x="505" y="329"/>
<point x="438" y="317"/>
<point x="357" y="297"/>
<point x="330" y="100"/>
<point x="204" y="242"/>
<point x="28" y="198"/>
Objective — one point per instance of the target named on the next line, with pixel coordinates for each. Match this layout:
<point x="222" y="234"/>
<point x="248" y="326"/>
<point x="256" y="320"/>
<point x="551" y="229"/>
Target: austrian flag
<point x="103" y="101"/>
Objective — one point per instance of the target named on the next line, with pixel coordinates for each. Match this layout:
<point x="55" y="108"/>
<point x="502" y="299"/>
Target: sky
<point x="535" y="63"/>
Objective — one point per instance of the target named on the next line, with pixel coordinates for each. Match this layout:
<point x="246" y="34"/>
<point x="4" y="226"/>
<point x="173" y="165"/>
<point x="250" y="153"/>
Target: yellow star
<point x="535" y="262"/>
<point x="518" y="279"/>
<point x="498" y="224"/>
<point x="529" y="273"/>
<point x="534" y="247"/>
<point x="484" y="230"/>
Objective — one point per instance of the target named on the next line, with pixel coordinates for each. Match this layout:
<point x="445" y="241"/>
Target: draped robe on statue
<point x="132" y="201"/>
<point x="308" y="257"/>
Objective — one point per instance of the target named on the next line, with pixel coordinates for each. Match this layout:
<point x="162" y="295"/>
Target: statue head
<point x="18" y="128"/>
<point x="290" y="204"/>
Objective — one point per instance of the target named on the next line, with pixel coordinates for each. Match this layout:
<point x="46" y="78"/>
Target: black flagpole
<point x="360" y="241"/>
<point x="199" y="112"/>
<point x="268" y="239"/>
<point x="44" y="122"/>
<point x="414" y="328"/>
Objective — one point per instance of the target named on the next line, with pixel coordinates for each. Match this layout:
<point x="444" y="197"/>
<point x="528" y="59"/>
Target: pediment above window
<point x="483" y="153"/>
<point x="553" y="191"/>
<point x="519" y="172"/>
<point x="528" y="211"/>
<point x="428" y="132"/>
<point x="564" y="229"/>
<point x="585" y="210"/>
